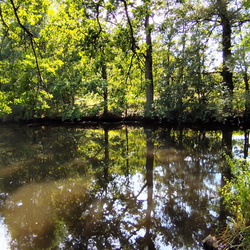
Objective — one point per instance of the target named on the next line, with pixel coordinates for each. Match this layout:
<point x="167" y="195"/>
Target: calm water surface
<point x="105" y="188"/>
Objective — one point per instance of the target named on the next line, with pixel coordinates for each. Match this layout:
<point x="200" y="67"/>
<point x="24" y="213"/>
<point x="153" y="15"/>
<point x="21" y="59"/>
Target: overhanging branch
<point x="31" y="38"/>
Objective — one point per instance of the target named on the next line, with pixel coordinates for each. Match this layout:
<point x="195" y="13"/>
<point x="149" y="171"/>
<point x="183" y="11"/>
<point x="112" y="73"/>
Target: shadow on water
<point x="102" y="188"/>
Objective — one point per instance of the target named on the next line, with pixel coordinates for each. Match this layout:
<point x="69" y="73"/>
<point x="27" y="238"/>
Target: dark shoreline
<point x="229" y="123"/>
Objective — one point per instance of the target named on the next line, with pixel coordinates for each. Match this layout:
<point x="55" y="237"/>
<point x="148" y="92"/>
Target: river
<point x="108" y="187"/>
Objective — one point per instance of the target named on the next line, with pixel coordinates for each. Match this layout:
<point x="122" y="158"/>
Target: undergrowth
<point x="236" y="195"/>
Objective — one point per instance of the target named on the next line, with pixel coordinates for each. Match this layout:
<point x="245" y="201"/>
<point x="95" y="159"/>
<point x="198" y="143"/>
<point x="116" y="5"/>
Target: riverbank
<point x="233" y="122"/>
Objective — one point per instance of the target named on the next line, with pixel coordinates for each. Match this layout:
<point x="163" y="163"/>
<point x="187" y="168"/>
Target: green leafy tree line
<point x="175" y="60"/>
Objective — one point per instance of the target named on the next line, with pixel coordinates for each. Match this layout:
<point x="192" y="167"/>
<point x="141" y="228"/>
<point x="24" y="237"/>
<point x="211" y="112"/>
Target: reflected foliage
<point x="102" y="188"/>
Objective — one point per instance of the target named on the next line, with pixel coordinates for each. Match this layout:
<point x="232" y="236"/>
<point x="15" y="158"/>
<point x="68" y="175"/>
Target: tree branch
<point x="132" y="38"/>
<point x="2" y="19"/>
<point x="31" y="38"/>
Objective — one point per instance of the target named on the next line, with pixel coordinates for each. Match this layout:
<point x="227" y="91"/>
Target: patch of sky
<point x="212" y="184"/>
<point x="4" y="236"/>
<point x="238" y="145"/>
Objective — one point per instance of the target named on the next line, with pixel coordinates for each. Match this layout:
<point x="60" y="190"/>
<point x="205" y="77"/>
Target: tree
<point x="199" y="33"/>
<point x="226" y="19"/>
<point x="172" y="59"/>
<point x="20" y="27"/>
<point x="149" y="62"/>
<point x="143" y="13"/>
<point x="227" y="14"/>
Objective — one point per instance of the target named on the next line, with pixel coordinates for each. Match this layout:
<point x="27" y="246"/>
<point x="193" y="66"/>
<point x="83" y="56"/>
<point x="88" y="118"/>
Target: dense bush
<point x="236" y="195"/>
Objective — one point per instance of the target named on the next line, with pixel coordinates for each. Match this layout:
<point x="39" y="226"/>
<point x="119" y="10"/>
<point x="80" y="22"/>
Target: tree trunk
<point x="227" y="53"/>
<point x="246" y="144"/>
<point x="106" y="154"/>
<point x="226" y="73"/>
<point x="149" y="178"/>
<point x="226" y="175"/>
<point x="149" y="69"/>
<point x="105" y="92"/>
<point x="247" y="102"/>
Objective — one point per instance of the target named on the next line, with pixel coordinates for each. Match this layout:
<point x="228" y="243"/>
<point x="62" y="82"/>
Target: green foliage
<point x="72" y="58"/>
<point x="97" y="86"/>
<point x="246" y="4"/>
<point x="236" y="195"/>
<point x="4" y="105"/>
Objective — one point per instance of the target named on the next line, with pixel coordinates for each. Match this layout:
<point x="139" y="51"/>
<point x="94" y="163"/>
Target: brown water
<point x="106" y="188"/>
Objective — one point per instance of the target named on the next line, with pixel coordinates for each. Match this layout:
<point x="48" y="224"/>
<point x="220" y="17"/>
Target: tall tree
<point x="226" y="19"/>
<point x="149" y="63"/>
<point x="142" y="15"/>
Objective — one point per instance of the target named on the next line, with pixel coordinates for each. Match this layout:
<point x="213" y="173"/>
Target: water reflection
<point x="102" y="188"/>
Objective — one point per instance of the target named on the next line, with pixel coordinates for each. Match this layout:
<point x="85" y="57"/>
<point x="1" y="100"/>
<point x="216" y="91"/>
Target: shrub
<point x="236" y="194"/>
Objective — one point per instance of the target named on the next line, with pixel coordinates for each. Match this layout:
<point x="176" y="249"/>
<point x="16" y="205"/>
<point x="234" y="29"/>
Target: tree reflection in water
<point x="102" y="188"/>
